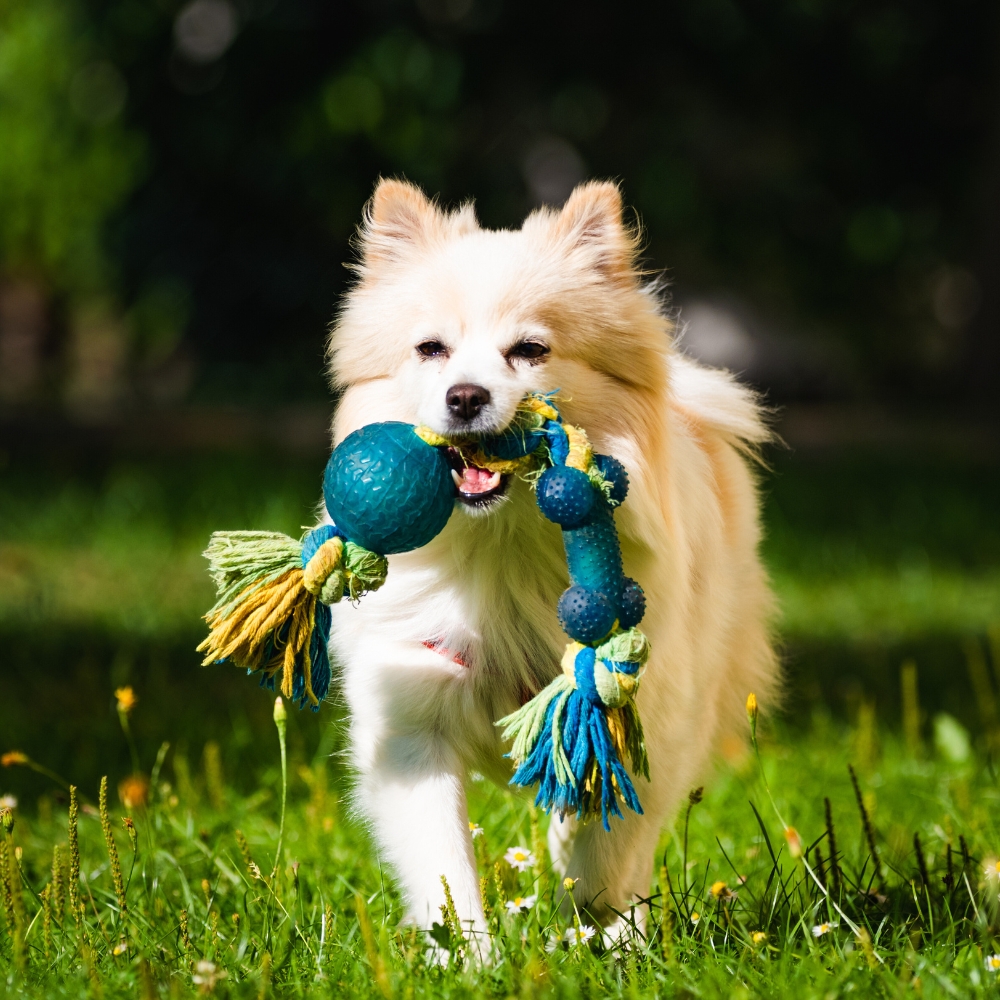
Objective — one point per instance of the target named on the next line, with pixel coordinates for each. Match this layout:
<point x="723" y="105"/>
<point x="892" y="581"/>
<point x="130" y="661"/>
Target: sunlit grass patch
<point x="887" y="604"/>
<point x="204" y="906"/>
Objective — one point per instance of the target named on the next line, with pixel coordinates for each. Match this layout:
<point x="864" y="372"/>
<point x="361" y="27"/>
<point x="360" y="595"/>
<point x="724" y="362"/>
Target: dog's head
<point x="449" y="325"/>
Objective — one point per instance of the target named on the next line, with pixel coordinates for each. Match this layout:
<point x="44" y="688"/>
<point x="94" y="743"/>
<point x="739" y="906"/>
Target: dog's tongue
<point x="474" y="480"/>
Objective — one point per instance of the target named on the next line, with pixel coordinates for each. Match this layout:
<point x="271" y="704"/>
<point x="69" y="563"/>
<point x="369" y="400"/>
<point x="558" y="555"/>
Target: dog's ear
<point x="463" y="220"/>
<point x="590" y="223"/>
<point x="398" y="218"/>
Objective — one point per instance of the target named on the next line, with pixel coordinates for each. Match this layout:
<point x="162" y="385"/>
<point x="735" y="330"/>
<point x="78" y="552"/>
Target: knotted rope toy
<point x="388" y="489"/>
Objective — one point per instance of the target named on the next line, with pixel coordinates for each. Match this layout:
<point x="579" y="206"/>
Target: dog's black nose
<point x="465" y="400"/>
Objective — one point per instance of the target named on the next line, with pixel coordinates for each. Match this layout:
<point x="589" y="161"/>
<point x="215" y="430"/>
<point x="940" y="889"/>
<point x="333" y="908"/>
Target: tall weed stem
<point x="281" y="724"/>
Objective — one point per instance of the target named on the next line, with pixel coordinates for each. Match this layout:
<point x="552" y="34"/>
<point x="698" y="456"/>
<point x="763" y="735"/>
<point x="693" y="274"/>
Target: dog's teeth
<point x="494" y="480"/>
<point x="458" y="479"/>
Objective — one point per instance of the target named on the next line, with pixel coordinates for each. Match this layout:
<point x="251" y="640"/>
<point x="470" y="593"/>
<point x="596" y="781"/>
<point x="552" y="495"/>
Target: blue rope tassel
<point x="596" y="773"/>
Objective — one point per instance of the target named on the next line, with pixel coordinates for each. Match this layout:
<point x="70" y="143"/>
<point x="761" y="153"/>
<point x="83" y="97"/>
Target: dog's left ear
<point x="590" y="223"/>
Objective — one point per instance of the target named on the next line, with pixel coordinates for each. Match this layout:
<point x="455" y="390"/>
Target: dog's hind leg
<point x="613" y="869"/>
<point x="560" y="838"/>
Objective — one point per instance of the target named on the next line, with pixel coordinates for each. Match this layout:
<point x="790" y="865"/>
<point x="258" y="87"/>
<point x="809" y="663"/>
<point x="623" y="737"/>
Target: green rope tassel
<point x="272" y="612"/>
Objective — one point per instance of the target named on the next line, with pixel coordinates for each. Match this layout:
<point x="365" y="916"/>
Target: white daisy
<point x="571" y="937"/>
<point x="695" y="917"/>
<point x="206" y="975"/>
<point x="820" y="929"/>
<point x="476" y="830"/>
<point x="520" y="858"/>
<point x="993" y="963"/>
<point x="521" y="904"/>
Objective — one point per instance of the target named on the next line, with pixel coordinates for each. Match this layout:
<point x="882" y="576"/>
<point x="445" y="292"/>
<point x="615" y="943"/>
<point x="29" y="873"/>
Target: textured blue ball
<point x="614" y="472"/>
<point x="586" y="615"/>
<point x="387" y="489"/>
<point x="633" y="604"/>
<point x="565" y="495"/>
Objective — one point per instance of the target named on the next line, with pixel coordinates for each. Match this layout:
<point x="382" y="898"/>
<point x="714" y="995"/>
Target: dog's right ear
<point x="398" y="219"/>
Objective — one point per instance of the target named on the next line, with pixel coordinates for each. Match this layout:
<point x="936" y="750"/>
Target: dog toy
<point x="388" y="488"/>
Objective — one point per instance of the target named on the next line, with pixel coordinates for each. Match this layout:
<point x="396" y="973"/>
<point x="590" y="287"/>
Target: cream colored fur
<point x="487" y="586"/>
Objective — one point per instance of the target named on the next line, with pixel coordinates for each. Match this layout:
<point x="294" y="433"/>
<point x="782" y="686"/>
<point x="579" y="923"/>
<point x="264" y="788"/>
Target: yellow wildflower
<point x="127" y="699"/>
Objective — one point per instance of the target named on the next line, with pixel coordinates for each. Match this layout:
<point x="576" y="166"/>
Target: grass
<point x="102" y="585"/>
<point x="868" y="547"/>
<point x="202" y="908"/>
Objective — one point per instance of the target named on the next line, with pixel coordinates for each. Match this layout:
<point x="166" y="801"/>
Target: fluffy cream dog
<point x="450" y="325"/>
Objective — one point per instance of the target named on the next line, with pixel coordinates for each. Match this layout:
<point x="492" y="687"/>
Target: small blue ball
<point x="633" y="604"/>
<point x="565" y="495"/>
<point x="586" y="615"/>
<point x="614" y="472"/>
<point x="387" y="489"/>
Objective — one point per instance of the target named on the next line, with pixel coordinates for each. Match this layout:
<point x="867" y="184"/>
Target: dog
<point x="450" y="325"/>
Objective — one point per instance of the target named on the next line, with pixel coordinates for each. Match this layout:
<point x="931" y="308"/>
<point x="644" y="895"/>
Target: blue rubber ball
<point x="565" y="495"/>
<point x="387" y="489"/>
<point x="614" y="472"/>
<point x="586" y="615"/>
<point x="633" y="604"/>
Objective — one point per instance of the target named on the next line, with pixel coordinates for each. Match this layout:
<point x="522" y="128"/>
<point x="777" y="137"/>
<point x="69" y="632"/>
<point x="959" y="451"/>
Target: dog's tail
<point x="716" y="401"/>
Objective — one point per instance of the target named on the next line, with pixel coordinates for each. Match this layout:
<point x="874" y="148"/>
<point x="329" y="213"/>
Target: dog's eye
<point x="530" y="350"/>
<point x="432" y="349"/>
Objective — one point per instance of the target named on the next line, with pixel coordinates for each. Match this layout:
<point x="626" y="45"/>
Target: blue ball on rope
<point x="387" y="489"/>
<point x="614" y="472"/>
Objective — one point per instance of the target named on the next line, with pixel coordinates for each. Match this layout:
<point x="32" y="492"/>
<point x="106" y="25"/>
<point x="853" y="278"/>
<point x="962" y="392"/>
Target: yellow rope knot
<point x="326" y="560"/>
<point x="580" y="453"/>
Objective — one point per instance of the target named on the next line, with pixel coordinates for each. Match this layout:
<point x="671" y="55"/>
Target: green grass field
<point x="200" y="911"/>
<point x="876" y="563"/>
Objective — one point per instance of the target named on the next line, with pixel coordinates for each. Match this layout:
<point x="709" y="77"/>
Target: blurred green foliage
<point x="869" y="546"/>
<point x="67" y="162"/>
<point x="829" y="165"/>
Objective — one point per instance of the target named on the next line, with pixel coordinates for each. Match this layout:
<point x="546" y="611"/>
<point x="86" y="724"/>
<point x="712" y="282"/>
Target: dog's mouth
<point x="476" y="487"/>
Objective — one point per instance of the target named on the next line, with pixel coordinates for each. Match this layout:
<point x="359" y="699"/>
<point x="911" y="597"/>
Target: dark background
<point x="818" y="184"/>
<point x="825" y="172"/>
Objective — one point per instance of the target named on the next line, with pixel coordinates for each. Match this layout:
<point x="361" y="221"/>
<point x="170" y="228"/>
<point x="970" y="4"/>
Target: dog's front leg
<point x="414" y="797"/>
<point x="410" y="778"/>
